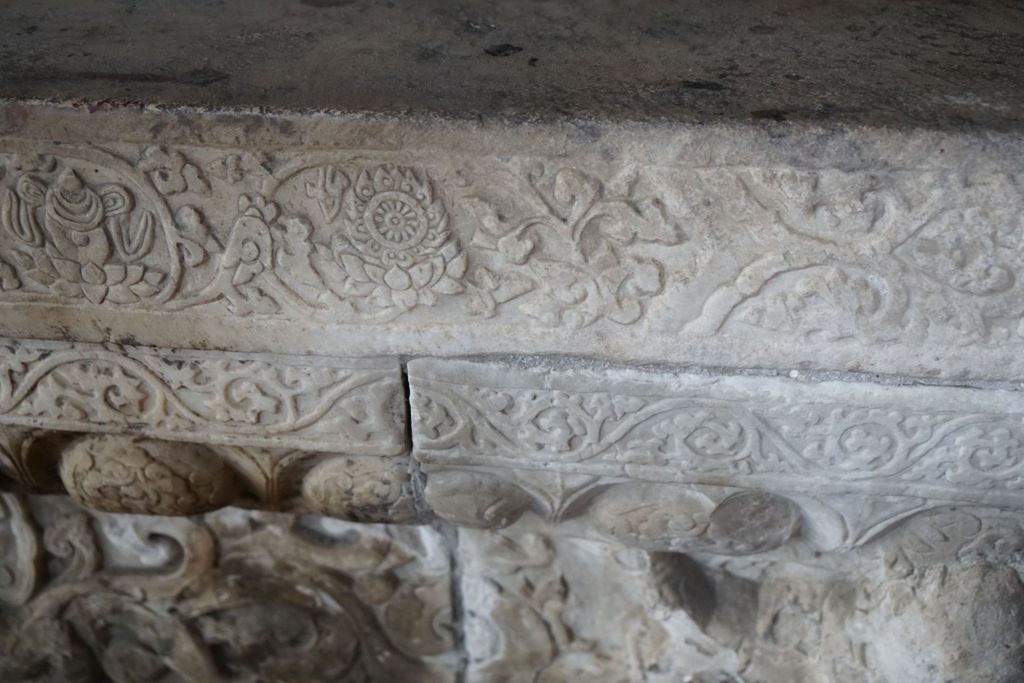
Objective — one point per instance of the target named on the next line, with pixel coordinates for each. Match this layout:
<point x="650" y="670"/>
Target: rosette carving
<point x="397" y="248"/>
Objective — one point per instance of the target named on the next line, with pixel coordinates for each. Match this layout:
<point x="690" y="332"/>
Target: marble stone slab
<point x="916" y="63"/>
<point x="713" y="463"/>
<point x="749" y="431"/>
<point x="867" y="250"/>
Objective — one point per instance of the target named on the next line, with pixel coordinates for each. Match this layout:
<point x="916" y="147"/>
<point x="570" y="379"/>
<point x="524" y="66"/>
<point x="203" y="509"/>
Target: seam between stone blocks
<point x="449" y="533"/>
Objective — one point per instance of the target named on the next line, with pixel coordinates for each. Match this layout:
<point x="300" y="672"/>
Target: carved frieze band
<point x="720" y="464"/>
<point x="727" y="464"/>
<point x="339" y="405"/>
<point x="845" y="437"/>
<point x="854" y="259"/>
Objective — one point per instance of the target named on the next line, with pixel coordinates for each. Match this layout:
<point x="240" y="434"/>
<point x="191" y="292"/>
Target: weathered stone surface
<point x="598" y="283"/>
<point x="547" y="608"/>
<point x="232" y="595"/>
<point x="977" y="614"/>
<point x="140" y="475"/>
<point x="237" y="593"/>
<point x="935" y="63"/>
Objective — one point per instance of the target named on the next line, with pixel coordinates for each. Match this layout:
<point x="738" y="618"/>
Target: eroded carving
<point x="229" y="596"/>
<point x="362" y="489"/>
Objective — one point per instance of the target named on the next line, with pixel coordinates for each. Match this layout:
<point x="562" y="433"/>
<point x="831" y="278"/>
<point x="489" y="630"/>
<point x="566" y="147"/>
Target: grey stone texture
<point x="906" y="64"/>
<point x="536" y="341"/>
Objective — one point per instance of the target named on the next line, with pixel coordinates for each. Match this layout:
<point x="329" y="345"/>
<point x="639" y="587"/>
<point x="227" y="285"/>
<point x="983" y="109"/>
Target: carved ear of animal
<point x="116" y="199"/>
<point x="31" y="189"/>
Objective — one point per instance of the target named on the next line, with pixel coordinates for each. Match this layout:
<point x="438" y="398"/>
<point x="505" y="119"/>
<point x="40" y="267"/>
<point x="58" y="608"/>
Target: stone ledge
<point x="667" y="460"/>
<point x="933" y="64"/>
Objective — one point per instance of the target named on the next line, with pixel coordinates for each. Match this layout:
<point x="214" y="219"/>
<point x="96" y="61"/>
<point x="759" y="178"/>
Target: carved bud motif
<point x="476" y="499"/>
<point x="754" y="522"/>
<point x="361" y="489"/>
<point x="145" y="476"/>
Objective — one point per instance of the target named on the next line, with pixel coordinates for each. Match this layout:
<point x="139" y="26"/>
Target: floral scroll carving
<point x="576" y="252"/>
<point x="730" y="465"/>
<point x="875" y="260"/>
<point x="840" y="257"/>
<point x="268" y="402"/>
<point x="498" y="245"/>
<point x="379" y="242"/>
<point x="387" y="247"/>
<point x="702" y="432"/>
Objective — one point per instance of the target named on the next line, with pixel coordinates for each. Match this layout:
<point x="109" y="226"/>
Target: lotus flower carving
<point x="80" y="241"/>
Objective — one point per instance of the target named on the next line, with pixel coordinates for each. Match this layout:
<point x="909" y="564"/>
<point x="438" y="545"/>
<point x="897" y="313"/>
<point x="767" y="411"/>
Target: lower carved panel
<point x="231" y="596"/>
<point x="730" y="465"/>
<point x="544" y="607"/>
<point x="940" y="443"/>
<point x="237" y="595"/>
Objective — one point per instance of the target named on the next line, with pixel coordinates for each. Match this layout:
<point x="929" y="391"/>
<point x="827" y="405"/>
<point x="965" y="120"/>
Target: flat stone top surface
<point x="941" y="64"/>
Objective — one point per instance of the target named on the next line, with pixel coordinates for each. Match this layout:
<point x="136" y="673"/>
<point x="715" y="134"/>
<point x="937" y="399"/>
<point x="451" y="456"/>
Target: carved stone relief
<point x="244" y="595"/>
<point x="233" y="595"/>
<point x="654" y="387"/>
<point x="726" y="464"/>
<point x="140" y="475"/>
<point x="538" y="608"/>
<point x="667" y="461"/>
<point x="345" y="405"/>
<point x="546" y="607"/>
<point x="710" y="264"/>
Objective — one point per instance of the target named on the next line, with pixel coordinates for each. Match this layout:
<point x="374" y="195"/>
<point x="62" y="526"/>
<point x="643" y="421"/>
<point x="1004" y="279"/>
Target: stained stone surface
<point x="350" y="405"/>
<point x="945" y="64"/>
<point x="416" y="341"/>
<point x="245" y="595"/>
